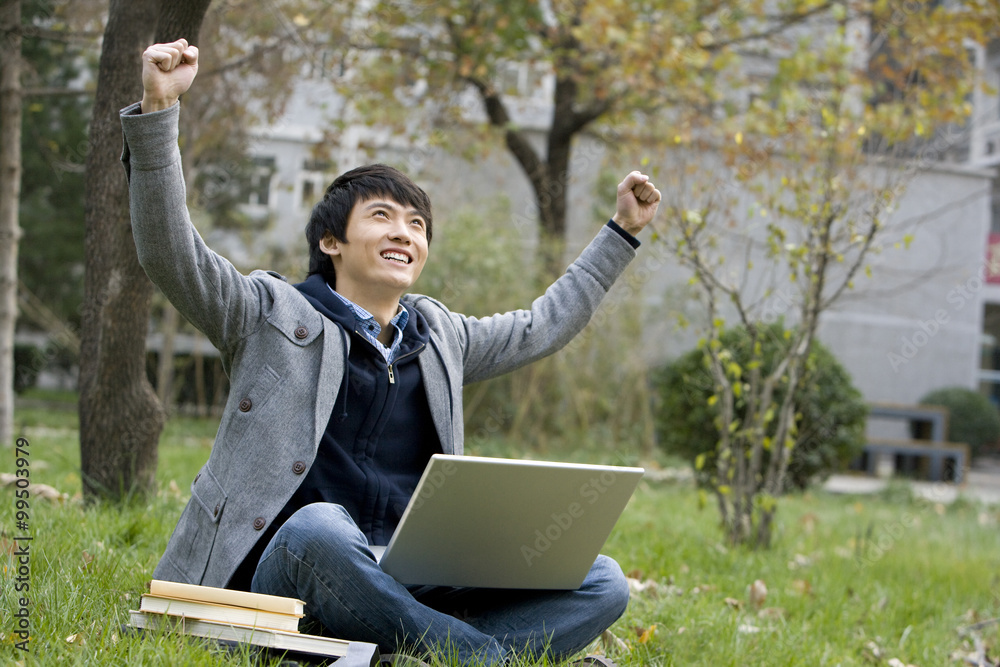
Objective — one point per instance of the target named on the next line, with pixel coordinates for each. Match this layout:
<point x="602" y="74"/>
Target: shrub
<point x="972" y="418"/>
<point x="830" y="411"/>
<point x="28" y="363"/>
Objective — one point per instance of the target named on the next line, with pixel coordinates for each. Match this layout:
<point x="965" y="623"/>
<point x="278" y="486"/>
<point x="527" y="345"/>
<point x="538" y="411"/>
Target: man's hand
<point x="167" y="73"/>
<point x="638" y="200"/>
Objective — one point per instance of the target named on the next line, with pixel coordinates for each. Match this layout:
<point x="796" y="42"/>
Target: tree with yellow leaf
<point x="610" y="68"/>
<point x="810" y="165"/>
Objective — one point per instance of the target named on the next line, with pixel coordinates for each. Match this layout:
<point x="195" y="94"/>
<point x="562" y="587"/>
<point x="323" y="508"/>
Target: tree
<point x="251" y="62"/>
<point x="828" y="408"/>
<point x="58" y="51"/>
<point x="10" y="191"/>
<point x="602" y="67"/>
<point x="808" y="170"/>
<point x="120" y="418"/>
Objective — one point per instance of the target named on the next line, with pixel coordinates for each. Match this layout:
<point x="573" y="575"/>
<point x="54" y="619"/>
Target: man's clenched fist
<point x="167" y="73"/>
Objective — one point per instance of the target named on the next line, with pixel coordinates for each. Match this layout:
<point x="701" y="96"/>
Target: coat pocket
<point x="191" y="545"/>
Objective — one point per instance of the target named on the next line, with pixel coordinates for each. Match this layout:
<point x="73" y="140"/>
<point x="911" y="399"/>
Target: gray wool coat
<point x="285" y="361"/>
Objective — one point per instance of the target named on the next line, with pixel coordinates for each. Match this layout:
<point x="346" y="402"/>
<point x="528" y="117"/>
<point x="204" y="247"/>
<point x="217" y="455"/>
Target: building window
<point x="522" y="80"/>
<point x="313" y="180"/>
<point x="995" y="221"/>
<point x="257" y="186"/>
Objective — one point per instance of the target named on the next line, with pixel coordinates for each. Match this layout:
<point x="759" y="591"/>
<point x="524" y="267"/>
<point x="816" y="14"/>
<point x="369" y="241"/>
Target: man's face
<point x="385" y="251"/>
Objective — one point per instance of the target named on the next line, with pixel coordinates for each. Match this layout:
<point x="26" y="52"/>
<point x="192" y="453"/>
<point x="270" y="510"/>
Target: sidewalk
<point x="982" y="485"/>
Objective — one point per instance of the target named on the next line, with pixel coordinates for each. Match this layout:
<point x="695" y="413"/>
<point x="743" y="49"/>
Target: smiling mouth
<point x="396" y="257"/>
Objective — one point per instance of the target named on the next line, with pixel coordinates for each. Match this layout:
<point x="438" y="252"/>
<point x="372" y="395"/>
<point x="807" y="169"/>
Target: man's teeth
<point x="399" y="257"/>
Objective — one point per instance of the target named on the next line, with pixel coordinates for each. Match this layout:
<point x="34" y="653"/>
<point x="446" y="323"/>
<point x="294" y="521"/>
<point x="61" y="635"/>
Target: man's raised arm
<point x="204" y="286"/>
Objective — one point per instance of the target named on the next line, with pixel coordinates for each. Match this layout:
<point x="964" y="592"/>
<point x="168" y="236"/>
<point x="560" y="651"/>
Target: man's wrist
<point x="151" y="104"/>
<point x="624" y="233"/>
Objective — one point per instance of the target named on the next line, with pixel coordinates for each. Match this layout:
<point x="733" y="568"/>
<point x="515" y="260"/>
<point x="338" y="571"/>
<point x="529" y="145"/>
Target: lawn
<point x="849" y="580"/>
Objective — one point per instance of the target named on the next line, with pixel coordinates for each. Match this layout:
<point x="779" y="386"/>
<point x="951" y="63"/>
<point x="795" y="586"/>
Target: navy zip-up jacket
<point x="379" y="437"/>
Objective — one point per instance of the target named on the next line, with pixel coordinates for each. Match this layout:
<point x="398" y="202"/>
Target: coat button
<point x="245" y="405"/>
<point x="301" y="332"/>
<point x="298" y="467"/>
<point x="258" y="523"/>
<point x="216" y="511"/>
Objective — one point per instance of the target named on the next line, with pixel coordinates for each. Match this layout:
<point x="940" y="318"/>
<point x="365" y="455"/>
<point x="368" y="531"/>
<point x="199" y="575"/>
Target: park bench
<point x="926" y="455"/>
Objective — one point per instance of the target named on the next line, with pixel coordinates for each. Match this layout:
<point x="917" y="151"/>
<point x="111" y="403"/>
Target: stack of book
<point x="232" y="617"/>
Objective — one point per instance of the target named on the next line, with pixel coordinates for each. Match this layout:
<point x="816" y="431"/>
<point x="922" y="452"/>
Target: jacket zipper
<point x="392" y="375"/>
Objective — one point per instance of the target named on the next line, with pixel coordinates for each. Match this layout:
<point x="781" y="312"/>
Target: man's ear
<point x="330" y="245"/>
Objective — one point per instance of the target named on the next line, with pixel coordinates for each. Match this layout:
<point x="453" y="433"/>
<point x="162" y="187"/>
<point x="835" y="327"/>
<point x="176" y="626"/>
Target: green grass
<point x="850" y="581"/>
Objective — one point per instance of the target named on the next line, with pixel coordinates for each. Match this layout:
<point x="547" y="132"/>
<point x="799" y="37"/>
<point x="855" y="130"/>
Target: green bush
<point x="831" y="412"/>
<point x="28" y="363"/>
<point x="972" y="418"/>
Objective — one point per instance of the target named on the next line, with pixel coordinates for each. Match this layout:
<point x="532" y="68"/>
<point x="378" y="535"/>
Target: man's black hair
<point x="330" y="215"/>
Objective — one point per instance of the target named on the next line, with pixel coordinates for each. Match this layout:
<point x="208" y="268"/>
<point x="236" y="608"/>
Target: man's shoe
<point x="598" y="660"/>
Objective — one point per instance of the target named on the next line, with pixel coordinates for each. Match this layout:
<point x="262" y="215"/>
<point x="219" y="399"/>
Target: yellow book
<point x="210" y="611"/>
<point x="273" y="603"/>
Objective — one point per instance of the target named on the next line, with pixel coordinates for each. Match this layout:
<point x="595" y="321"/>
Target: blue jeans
<point x="321" y="557"/>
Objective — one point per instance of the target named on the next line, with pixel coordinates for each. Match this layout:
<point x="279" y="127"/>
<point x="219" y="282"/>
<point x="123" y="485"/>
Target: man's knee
<point x="611" y="584"/>
<point x="323" y="528"/>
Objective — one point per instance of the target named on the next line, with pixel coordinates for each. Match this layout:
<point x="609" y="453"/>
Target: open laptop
<point x="504" y="523"/>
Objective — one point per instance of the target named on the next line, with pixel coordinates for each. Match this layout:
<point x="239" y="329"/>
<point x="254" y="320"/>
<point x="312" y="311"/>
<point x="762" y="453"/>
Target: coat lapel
<point x="440" y="394"/>
<point x="331" y="374"/>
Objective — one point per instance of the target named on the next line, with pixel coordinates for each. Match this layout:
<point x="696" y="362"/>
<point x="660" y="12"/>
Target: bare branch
<point x="66" y="36"/>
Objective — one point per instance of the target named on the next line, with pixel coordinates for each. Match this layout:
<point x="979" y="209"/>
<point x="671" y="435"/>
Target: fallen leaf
<point x="873" y="650"/>
<point x="772" y="613"/>
<point x="757" y="594"/>
<point x="733" y="603"/>
<point x="647" y="634"/>
<point x="802" y="586"/>
<point x="610" y="640"/>
<point x="799" y="561"/>
<point x="651" y="588"/>
<point x="38" y="490"/>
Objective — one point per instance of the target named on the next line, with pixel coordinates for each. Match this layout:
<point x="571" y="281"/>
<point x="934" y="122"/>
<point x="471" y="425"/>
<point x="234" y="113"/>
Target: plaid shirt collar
<point x="368" y="327"/>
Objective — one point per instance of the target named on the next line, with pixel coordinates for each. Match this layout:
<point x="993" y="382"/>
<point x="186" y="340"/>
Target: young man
<point x="342" y="387"/>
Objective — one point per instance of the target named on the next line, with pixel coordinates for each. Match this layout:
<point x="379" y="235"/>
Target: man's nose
<point x="399" y="231"/>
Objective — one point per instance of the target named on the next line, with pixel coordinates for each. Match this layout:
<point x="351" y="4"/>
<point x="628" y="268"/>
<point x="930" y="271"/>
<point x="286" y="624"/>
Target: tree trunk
<point x="10" y="193"/>
<point x="120" y="417"/>
<point x="165" y="360"/>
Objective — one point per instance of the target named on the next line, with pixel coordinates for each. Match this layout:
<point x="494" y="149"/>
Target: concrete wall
<point x="915" y="325"/>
